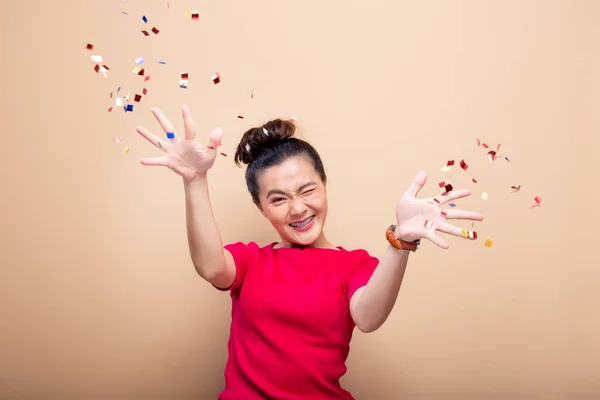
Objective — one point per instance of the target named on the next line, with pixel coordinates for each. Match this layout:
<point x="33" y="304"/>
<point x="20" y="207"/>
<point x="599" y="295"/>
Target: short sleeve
<point x="361" y="273"/>
<point x="244" y="255"/>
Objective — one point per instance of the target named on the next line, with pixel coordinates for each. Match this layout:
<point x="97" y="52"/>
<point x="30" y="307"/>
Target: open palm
<point x="422" y="218"/>
<point x="186" y="157"/>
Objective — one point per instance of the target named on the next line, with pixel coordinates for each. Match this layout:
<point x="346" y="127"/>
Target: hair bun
<point x="256" y="140"/>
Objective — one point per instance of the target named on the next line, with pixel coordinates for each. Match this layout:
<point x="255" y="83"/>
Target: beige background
<point x="98" y="297"/>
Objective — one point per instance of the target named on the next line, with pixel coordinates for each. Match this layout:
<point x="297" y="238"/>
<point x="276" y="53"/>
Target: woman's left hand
<point x="422" y="218"/>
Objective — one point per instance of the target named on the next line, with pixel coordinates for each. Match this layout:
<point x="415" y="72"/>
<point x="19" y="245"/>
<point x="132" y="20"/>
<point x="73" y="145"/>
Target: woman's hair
<point x="269" y="145"/>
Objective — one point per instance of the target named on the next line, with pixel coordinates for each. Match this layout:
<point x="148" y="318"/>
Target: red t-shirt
<point x="291" y="324"/>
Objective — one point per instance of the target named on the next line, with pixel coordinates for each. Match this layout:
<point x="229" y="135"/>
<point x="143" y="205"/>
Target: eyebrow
<point x="301" y="188"/>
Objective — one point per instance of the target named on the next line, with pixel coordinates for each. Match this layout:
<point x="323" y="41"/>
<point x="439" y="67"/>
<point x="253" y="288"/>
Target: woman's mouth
<point x="304" y="224"/>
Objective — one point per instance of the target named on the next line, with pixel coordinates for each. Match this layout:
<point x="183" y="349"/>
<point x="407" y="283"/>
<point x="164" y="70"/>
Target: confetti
<point x="170" y="135"/>
<point x="129" y="107"/>
<point x="474" y="180"/>
<point x="145" y="33"/>
<point x="479" y="144"/>
<point x="195" y="16"/>
<point x="252" y="95"/>
<point x="145" y="19"/>
<point x="265" y="131"/>
<point x="293" y="119"/>
<point x="144" y="91"/>
<point x="224" y="155"/>
<point x="216" y="78"/>
<point x="484" y="195"/>
<point x="137" y="98"/>
<point x="247" y="147"/>
<point x="119" y="102"/>
<point x="139" y="60"/>
<point x="183" y="81"/>
<point x="111" y="109"/>
<point x="537" y="200"/>
<point x="126" y="149"/>
<point x="138" y="71"/>
<point x="445" y="186"/>
<point x="117" y="140"/>
<point x="89" y="47"/>
<point x="240" y="117"/>
<point x="155" y="31"/>
<point x="124" y="12"/>
<point x="488" y="242"/>
<point x="469" y="234"/>
<point x="428" y="224"/>
<point x="450" y="163"/>
<point x="97" y="59"/>
<point x="162" y="62"/>
<point x="452" y="205"/>
<point x="492" y="155"/>
<point x="147" y="78"/>
<point x="445" y="169"/>
<point x="463" y="165"/>
<point x="515" y="188"/>
<point x="443" y="215"/>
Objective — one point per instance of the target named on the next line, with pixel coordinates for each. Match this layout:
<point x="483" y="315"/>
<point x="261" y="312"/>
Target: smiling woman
<point x="295" y="302"/>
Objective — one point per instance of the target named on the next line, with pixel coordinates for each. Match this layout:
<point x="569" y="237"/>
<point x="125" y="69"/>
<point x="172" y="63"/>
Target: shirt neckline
<point x="337" y="248"/>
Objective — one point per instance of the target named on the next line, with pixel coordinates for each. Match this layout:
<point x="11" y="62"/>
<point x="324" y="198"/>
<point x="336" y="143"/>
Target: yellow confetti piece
<point x="126" y="149"/>
<point x="484" y="196"/>
<point x="488" y="242"/>
<point x="136" y="70"/>
<point x="464" y="233"/>
<point x="445" y="168"/>
<point x="187" y="13"/>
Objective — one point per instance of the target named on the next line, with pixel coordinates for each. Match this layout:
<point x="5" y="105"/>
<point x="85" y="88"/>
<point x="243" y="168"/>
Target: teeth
<point x="302" y="224"/>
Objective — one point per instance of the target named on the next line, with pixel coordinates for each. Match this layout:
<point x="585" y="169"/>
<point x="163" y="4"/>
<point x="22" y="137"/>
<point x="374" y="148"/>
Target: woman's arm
<point x="372" y="304"/>
<point x="210" y="260"/>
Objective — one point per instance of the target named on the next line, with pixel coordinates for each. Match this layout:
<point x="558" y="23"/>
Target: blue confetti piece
<point x="170" y="135"/>
<point x="129" y="107"/>
<point x="452" y="205"/>
<point x="124" y="13"/>
<point x="162" y="62"/>
<point x="139" y="60"/>
<point x="118" y="89"/>
<point x="145" y="19"/>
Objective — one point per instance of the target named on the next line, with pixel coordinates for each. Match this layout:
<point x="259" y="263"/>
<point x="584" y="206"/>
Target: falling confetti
<point x="145" y="33"/>
<point x="537" y="200"/>
<point x="240" y="117"/>
<point x="443" y="215"/>
<point x="469" y="234"/>
<point x="428" y="224"/>
<point x="515" y="188"/>
<point x="139" y="60"/>
<point x="170" y="135"/>
<point x="145" y="19"/>
<point x="138" y="71"/>
<point x="252" y="95"/>
<point x="474" y="180"/>
<point x="155" y="31"/>
<point x="216" y="78"/>
<point x="97" y="59"/>
<point x="463" y="165"/>
<point x="492" y="155"/>
<point x="484" y="196"/>
<point x="126" y="149"/>
<point x="293" y="119"/>
<point x="129" y="108"/>
<point x="452" y="205"/>
<point x="183" y="81"/>
<point x="117" y="140"/>
<point x="488" y="242"/>
<point x="144" y="91"/>
<point x="445" y="186"/>
<point x="89" y="47"/>
<point x="137" y="98"/>
<point x="195" y="16"/>
<point x="147" y="78"/>
<point x="224" y="155"/>
<point x="265" y="131"/>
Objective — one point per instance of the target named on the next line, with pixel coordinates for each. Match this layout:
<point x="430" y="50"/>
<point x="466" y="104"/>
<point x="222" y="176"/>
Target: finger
<point x="164" y="123"/>
<point x="462" y="214"/>
<point x="188" y="122"/>
<point x="151" y="138"/>
<point x="437" y="240"/>
<point x="452" y="195"/>
<point x="155" y="162"/>
<point x="417" y="184"/>
<point x="455" y="231"/>
<point x="214" y="140"/>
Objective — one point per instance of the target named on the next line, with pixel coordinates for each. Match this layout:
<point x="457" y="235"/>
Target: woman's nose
<point x="298" y="206"/>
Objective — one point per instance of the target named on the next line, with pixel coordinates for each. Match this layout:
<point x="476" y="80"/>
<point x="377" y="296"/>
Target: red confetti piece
<point x="144" y="91"/>
<point x="184" y="76"/>
<point x="147" y="78"/>
<point x="224" y="155"/>
<point x="252" y="95"/>
<point x="515" y="188"/>
<point x="537" y="201"/>
<point x="450" y="163"/>
<point x="446" y="187"/>
<point x="89" y="46"/>
<point x="155" y="31"/>
<point x="479" y="144"/>
<point x="498" y="148"/>
<point x="436" y="200"/>
<point x="112" y="108"/>
<point x="293" y="119"/>
<point x="492" y="155"/>
<point x="97" y="68"/>
<point x="240" y="117"/>
<point x="428" y="224"/>
<point x="110" y="95"/>
<point x="145" y="33"/>
<point x="463" y="165"/>
<point x="216" y="78"/>
<point x="474" y="180"/>
<point x="195" y="16"/>
<point x="443" y="215"/>
<point x="137" y="98"/>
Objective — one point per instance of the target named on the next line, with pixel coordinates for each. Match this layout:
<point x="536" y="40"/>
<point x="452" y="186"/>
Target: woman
<point x="295" y="302"/>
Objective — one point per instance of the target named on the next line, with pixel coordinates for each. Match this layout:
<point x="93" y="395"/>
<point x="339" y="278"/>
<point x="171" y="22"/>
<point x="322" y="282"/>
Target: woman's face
<point x="294" y="199"/>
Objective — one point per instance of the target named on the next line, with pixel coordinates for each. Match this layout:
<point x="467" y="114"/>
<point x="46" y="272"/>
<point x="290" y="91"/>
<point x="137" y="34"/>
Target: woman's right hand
<point x="186" y="157"/>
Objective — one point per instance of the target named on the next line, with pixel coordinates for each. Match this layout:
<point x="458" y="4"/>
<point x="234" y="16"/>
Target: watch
<point x="399" y="243"/>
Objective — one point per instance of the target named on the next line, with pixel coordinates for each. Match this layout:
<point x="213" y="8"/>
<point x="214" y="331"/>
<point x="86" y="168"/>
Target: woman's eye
<point x="308" y="192"/>
<point x="278" y="199"/>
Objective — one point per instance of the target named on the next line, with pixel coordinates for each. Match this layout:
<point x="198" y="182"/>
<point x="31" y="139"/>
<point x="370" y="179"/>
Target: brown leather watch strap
<point x="399" y="243"/>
